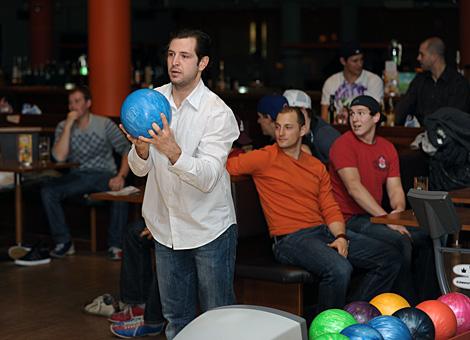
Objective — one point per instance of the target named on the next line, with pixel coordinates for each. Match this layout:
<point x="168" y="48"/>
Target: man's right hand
<point x="146" y="233"/>
<point x="142" y="148"/>
<point x="72" y="116"/>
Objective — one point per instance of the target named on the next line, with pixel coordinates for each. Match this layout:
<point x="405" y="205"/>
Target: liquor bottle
<point x="391" y="112"/>
<point x="15" y="72"/>
<point x="332" y="109"/>
<point x="221" y="81"/>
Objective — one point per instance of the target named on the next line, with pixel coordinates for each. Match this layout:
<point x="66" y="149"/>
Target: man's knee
<point x="48" y="192"/>
<point x="340" y="271"/>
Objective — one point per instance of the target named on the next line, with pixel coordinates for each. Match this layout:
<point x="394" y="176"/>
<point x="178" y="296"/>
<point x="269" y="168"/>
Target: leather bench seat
<point x="256" y="261"/>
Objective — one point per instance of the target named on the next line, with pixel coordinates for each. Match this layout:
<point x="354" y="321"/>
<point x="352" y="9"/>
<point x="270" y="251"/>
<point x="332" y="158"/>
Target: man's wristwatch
<point x="342" y="235"/>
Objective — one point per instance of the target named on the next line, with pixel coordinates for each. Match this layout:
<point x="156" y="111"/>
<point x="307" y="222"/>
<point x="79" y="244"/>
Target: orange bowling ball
<point x="443" y="318"/>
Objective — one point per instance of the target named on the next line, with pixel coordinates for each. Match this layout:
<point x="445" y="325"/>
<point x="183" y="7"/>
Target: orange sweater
<point x="294" y="194"/>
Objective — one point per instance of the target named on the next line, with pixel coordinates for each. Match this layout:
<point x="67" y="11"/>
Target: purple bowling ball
<point x="362" y="311"/>
<point x="142" y="108"/>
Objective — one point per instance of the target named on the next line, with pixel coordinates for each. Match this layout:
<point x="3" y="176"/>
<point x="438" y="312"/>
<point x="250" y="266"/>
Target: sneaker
<point x="62" y="249"/>
<point x="36" y="256"/>
<point x="135" y="328"/>
<point x="127" y="314"/>
<point x="103" y="305"/>
<point x="16" y="252"/>
<point x="115" y="253"/>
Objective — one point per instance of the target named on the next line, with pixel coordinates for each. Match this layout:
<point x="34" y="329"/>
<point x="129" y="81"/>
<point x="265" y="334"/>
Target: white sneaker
<point x="104" y="305"/>
<point x="63" y="249"/>
<point x="115" y="253"/>
<point x="16" y="252"/>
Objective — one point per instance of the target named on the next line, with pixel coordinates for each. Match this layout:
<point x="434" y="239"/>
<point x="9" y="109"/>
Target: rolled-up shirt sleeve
<point x="140" y="167"/>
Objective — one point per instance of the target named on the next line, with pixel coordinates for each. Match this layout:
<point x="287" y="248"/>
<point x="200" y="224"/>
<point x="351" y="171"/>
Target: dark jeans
<point x="308" y="248"/>
<point x="138" y="282"/>
<point x="417" y="280"/>
<point x="80" y="182"/>
<point x="203" y="274"/>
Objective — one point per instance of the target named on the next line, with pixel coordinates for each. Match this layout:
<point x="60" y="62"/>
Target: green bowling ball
<point x="330" y="321"/>
<point x="332" y="336"/>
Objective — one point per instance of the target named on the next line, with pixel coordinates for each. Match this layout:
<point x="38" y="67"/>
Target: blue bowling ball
<point x="390" y="327"/>
<point x="141" y="108"/>
<point x="361" y="332"/>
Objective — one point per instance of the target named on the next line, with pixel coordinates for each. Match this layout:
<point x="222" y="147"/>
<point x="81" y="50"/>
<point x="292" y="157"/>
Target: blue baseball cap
<point x="272" y="105"/>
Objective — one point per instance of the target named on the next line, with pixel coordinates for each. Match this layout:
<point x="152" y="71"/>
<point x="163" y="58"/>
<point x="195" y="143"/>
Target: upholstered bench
<point x="259" y="279"/>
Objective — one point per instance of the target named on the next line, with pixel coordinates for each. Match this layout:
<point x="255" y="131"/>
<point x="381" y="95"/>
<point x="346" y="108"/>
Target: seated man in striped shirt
<point x="305" y="221"/>
<point x="90" y="140"/>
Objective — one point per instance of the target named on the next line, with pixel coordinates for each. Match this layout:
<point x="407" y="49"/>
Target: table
<point x="460" y="196"/>
<point x="407" y="218"/>
<point x="136" y="198"/>
<point x="19" y="169"/>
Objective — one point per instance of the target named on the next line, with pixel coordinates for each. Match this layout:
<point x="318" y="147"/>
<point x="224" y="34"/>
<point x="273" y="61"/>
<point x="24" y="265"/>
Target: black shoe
<point x="36" y="256"/>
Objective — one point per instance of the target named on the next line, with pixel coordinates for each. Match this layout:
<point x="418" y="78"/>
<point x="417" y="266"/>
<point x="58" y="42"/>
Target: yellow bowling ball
<point x="389" y="303"/>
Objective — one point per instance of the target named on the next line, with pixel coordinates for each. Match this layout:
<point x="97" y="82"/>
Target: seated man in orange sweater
<point x="305" y="222"/>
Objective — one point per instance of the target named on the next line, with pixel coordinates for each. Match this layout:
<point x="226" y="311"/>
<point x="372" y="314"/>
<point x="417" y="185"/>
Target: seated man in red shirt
<point x="361" y="163"/>
<point x="305" y="221"/>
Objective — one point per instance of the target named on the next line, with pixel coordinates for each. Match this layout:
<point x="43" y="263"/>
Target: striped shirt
<point x="93" y="147"/>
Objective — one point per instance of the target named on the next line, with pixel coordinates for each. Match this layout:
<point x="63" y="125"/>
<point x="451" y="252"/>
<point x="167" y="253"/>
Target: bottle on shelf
<point x="390" y="114"/>
<point x="332" y="110"/>
<point x="137" y="74"/>
<point x="221" y="81"/>
<point x="16" y="71"/>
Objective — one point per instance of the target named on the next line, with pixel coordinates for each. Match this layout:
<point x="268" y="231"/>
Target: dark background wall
<point x="228" y="22"/>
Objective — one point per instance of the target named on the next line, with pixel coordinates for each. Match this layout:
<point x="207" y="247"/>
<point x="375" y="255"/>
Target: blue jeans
<point x="417" y="278"/>
<point x="186" y="276"/>
<point x="80" y="182"/>
<point x="138" y="283"/>
<point x="308" y="248"/>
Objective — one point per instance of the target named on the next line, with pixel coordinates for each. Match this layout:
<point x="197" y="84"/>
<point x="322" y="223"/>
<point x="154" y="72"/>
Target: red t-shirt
<point x="375" y="163"/>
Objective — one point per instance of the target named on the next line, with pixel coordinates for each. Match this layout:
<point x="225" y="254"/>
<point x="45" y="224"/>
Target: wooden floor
<point x="44" y="302"/>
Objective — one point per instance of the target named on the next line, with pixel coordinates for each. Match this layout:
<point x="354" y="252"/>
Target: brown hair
<point x="300" y="115"/>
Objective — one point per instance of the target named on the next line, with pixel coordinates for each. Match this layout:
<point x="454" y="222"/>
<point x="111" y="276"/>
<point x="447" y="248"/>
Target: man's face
<point x="288" y="130"/>
<point x="425" y="58"/>
<point x="78" y="103"/>
<point x="267" y="124"/>
<point x="183" y="66"/>
<point x="353" y="64"/>
<point x="361" y="121"/>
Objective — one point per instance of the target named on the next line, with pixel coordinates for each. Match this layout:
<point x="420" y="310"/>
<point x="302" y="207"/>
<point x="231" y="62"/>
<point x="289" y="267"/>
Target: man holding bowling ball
<point x="187" y="203"/>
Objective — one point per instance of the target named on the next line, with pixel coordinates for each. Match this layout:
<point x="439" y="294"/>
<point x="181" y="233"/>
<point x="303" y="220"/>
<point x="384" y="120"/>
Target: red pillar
<point x="464" y="14"/>
<point x="40" y="25"/>
<point x="109" y="54"/>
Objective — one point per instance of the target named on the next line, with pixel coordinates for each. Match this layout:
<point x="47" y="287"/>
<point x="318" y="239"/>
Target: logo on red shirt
<point x="381" y="163"/>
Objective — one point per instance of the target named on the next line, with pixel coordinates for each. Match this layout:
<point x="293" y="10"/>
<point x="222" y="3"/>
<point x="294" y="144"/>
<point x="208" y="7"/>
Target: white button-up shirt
<point x="189" y="204"/>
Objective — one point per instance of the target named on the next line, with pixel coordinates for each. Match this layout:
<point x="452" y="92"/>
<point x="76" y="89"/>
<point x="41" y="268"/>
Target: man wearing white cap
<point x="320" y="135"/>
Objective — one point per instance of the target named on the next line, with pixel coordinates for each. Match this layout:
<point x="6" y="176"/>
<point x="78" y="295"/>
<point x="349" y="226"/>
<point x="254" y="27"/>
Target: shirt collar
<point x="359" y="79"/>
<point x="194" y="98"/>
<point x="445" y="76"/>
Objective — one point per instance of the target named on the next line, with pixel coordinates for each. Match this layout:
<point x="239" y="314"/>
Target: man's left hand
<point x="401" y="229"/>
<point x="164" y="140"/>
<point x="116" y="183"/>
<point x="341" y="245"/>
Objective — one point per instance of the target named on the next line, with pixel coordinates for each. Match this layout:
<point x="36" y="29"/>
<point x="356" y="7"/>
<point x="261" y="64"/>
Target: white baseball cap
<point x="298" y="98"/>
